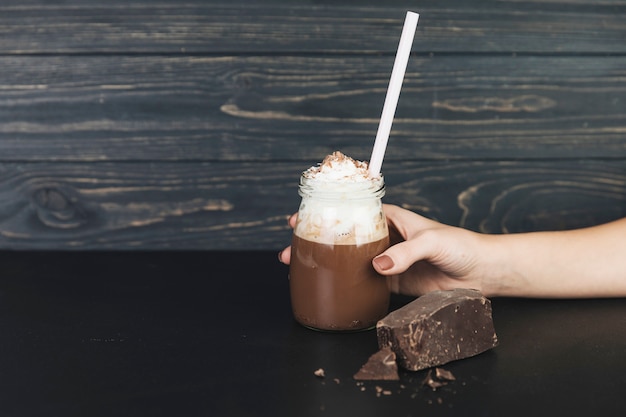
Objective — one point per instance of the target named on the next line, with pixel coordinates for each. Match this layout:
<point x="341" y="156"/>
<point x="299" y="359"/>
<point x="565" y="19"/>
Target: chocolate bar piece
<point x="437" y="328"/>
<point x="380" y="366"/>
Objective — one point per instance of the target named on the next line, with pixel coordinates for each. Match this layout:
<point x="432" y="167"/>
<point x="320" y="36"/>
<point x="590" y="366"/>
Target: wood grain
<point x="301" y="108"/>
<point x="177" y="206"/>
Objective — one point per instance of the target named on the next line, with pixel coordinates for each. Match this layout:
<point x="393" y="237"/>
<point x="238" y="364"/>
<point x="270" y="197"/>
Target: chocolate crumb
<point x="444" y="374"/>
<point x="433" y="383"/>
<point x="437" y="381"/>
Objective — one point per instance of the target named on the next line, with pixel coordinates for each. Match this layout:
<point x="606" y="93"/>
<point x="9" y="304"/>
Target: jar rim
<point x="353" y="190"/>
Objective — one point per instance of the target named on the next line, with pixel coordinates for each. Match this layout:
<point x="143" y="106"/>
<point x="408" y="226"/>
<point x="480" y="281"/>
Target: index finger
<point x="405" y="222"/>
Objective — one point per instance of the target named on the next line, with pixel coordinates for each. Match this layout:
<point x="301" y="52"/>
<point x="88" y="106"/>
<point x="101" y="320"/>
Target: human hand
<point x="426" y="255"/>
<point x="284" y="255"/>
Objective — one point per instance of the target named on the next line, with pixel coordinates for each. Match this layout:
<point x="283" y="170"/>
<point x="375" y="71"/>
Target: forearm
<point x="589" y="262"/>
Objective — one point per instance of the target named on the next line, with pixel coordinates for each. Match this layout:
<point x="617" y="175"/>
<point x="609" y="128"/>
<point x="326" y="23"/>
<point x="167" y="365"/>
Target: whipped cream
<point x="338" y="167"/>
<point x="341" y="203"/>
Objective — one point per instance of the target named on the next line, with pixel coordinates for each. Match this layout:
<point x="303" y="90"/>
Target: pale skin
<point x="582" y="263"/>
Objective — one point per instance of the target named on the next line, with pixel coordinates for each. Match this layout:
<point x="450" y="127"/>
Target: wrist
<point x="499" y="275"/>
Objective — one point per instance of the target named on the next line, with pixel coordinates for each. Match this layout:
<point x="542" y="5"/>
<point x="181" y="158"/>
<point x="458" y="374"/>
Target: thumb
<point x="399" y="257"/>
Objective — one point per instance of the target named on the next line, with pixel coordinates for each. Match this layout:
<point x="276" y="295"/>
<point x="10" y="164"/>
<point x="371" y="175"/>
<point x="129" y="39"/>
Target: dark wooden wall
<point x="184" y="125"/>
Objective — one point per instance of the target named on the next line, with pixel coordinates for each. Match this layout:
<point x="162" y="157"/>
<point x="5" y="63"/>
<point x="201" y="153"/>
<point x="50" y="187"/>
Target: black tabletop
<point x="211" y="334"/>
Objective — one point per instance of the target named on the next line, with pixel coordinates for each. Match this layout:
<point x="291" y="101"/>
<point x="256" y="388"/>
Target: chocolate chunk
<point x="380" y="366"/>
<point x="437" y="328"/>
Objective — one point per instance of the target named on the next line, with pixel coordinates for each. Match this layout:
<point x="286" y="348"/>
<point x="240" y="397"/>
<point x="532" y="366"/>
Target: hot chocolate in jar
<point x="341" y="227"/>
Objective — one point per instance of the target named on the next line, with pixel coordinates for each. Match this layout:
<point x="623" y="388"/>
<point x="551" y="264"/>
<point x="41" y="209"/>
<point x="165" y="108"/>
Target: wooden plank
<point x="296" y="108"/>
<point x="161" y="125"/>
<point x="511" y="196"/>
<point x="80" y="206"/>
<point x="87" y="27"/>
<point x="141" y="206"/>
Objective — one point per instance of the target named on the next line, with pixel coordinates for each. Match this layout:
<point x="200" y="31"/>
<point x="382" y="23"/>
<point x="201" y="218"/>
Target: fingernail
<point x="280" y="256"/>
<point x="384" y="262"/>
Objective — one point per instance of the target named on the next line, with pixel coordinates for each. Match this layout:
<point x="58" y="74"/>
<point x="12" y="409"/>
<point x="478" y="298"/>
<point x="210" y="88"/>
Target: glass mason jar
<point x="341" y="227"/>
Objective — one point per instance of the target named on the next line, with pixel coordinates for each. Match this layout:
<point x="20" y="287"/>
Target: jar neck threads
<point x="343" y="190"/>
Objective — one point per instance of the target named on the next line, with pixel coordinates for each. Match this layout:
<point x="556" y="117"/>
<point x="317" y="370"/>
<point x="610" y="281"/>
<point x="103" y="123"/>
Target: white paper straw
<point x="393" y="93"/>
